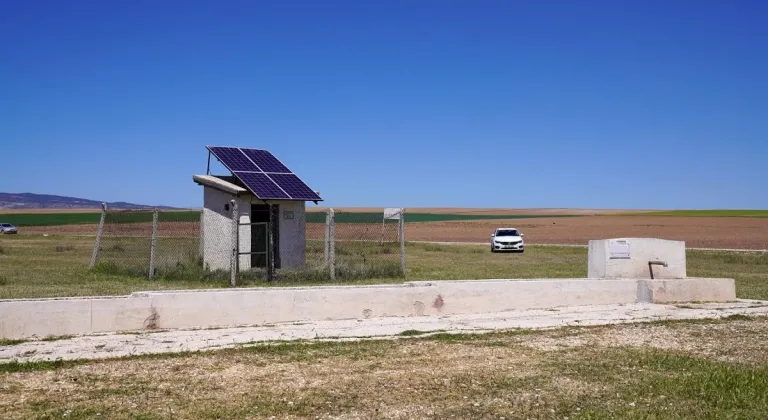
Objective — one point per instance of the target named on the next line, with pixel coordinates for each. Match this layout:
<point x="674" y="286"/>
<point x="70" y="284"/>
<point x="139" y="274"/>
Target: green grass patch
<point x="412" y="333"/>
<point x="704" y="213"/>
<point x="11" y="342"/>
<point x="31" y="266"/>
<point x="16" y="366"/>
<point x="647" y="383"/>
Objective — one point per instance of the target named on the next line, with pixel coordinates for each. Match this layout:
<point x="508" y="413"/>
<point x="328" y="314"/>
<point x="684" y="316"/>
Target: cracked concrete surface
<point x="126" y="344"/>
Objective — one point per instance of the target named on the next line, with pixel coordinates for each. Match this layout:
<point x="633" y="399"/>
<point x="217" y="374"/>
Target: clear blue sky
<point x="608" y="104"/>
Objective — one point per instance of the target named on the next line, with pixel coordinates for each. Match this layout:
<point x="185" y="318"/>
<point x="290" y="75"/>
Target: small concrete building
<point x="265" y="201"/>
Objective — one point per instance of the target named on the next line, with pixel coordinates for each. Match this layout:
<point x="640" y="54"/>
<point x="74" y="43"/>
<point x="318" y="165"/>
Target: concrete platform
<point x="255" y="306"/>
<point x="117" y="345"/>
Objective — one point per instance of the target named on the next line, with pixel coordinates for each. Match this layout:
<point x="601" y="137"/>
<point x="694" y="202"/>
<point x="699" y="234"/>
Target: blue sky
<point x="592" y="104"/>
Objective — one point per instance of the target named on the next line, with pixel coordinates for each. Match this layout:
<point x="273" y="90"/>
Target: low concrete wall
<point x="229" y="307"/>
<point x="605" y="262"/>
<point x="686" y="290"/>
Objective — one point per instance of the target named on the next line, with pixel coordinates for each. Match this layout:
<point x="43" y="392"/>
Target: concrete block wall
<point x="602" y="264"/>
<point x="217" y="229"/>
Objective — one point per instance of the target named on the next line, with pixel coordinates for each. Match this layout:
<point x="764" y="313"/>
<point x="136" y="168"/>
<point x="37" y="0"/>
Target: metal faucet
<point x="652" y="263"/>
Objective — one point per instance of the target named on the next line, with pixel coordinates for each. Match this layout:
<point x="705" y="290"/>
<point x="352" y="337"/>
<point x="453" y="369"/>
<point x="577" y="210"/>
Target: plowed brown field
<point x="698" y="232"/>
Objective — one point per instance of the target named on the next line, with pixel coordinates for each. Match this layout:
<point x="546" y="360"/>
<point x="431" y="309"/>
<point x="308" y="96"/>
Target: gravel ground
<point x="126" y="344"/>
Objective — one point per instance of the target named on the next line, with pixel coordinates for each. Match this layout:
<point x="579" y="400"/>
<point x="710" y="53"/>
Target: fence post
<point x="327" y="237"/>
<point x="234" y="263"/>
<point x="383" y="220"/>
<point x="401" y="233"/>
<point x="201" y="247"/>
<point x="332" y="243"/>
<point x="153" y="245"/>
<point x="271" y="246"/>
<point x="97" y="244"/>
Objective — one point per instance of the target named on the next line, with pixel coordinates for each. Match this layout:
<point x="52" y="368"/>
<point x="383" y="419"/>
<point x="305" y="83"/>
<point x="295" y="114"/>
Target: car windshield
<point x="507" y="232"/>
<point x="5" y="225"/>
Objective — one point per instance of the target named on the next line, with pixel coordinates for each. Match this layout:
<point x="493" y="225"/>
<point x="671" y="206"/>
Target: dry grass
<point x="55" y="266"/>
<point x="703" y="369"/>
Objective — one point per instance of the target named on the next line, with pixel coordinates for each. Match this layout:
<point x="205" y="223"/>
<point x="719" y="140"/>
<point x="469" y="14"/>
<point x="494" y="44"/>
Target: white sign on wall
<point x="392" y="213"/>
<point x="618" y="249"/>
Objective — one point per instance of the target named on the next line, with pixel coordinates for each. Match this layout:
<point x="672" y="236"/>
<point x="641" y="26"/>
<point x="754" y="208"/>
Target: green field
<point x="705" y="213"/>
<point x="37" y="266"/>
<point x="56" y="219"/>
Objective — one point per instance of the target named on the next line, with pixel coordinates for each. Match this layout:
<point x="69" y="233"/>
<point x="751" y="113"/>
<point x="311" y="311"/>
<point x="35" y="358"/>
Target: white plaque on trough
<point x="391" y="213"/>
<point x="618" y="249"/>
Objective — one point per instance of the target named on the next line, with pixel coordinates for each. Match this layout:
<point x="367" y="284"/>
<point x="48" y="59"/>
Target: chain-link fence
<point x="366" y="245"/>
<point x="321" y="246"/>
<point x="242" y="245"/>
<point x="149" y="243"/>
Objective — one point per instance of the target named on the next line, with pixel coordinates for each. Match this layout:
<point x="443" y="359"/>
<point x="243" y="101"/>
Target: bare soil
<point x="699" y="232"/>
<point x="484" y="211"/>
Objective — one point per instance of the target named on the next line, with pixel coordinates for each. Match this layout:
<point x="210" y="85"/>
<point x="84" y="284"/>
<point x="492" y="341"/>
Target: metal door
<point x="259" y="245"/>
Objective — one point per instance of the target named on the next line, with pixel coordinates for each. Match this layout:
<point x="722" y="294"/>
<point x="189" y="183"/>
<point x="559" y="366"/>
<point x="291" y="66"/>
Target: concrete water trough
<point x="617" y="280"/>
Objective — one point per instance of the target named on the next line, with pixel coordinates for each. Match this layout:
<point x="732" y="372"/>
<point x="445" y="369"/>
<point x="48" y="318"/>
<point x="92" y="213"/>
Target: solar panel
<point x="263" y="174"/>
<point x="260" y="184"/>
<point x="234" y="159"/>
<point x="295" y="187"/>
<point x="266" y="161"/>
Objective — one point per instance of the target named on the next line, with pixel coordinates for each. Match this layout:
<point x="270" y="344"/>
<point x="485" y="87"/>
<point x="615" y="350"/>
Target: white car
<point x="507" y="239"/>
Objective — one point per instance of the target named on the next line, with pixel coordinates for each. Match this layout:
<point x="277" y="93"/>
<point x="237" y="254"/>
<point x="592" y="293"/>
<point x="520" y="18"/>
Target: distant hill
<point x="46" y="201"/>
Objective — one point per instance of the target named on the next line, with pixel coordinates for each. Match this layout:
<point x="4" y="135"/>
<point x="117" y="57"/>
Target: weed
<point x="64" y="248"/>
<point x="11" y="342"/>
<point x="57" y="337"/>
<point x="16" y="366"/>
<point x="739" y="317"/>
<point x="452" y="249"/>
<point x="2" y="250"/>
<point x="3" y="280"/>
<point x="411" y="333"/>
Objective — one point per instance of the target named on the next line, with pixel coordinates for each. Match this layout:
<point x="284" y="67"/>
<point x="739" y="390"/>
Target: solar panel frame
<point x="264" y="174"/>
